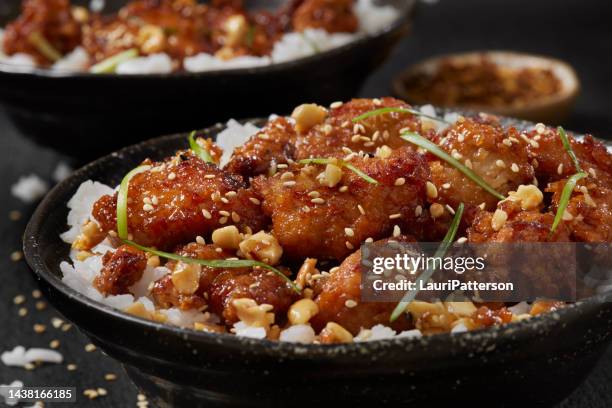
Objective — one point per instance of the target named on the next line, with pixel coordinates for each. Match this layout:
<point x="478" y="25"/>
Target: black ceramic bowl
<point x="87" y="114"/>
<point x="539" y="361"/>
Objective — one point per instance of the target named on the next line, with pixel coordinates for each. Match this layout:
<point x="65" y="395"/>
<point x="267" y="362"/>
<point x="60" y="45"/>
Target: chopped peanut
<point x="226" y="237"/>
<point x="253" y="314"/>
<point x="302" y="311"/>
<point x="262" y="247"/>
<point x="186" y="277"/>
<point x="334" y="333"/>
<point x="308" y="115"/>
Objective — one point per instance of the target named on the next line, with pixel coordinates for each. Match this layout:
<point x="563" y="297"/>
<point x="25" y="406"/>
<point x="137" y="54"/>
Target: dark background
<point x="576" y="31"/>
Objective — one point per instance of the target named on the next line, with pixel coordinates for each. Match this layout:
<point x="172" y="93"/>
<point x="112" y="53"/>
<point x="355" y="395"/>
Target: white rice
<point x="373" y="18"/>
<point x="244" y="330"/>
<point x="29" y="188"/>
<point x="61" y="172"/>
<point x="300" y="333"/>
<point x="81" y="205"/>
<point x="234" y="135"/>
<point x="20" y="357"/>
<point x="206" y="62"/>
<point x="4" y="392"/>
<point x="152" y="64"/>
<point x="77" y="60"/>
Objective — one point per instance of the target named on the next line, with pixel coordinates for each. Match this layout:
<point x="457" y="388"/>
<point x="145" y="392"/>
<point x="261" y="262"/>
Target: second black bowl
<point x="86" y="114"/>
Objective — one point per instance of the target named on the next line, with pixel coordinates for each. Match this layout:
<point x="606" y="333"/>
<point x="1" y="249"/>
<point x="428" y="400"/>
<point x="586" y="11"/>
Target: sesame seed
<point x="16" y="256"/>
<point x="102" y="391"/>
<point x="468" y="163"/>
<point x="141" y="397"/>
<point x="396" y="231"/>
<point x="456" y="155"/>
<point x="560" y="169"/>
<point x="19" y="299"/>
<point x="40" y="328"/>
<point x="200" y="240"/>
<point x="592" y="172"/>
<point x="507" y="142"/>
<point x="314" y="194"/>
<point x="147" y="207"/>
<point x="462" y="240"/>
<point x="432" y="191"/>
<point x="56" y="322"/>
<point x="336" y="105"/>
<point x="418" y="210"/>
<point x="369" y="240"/>
<point x="400" y="181"/>
<point x="71" y="367"/>
<point x="224" y="213"/>
<point x="286" y="176"/>
<point x="540" y="128"/>
<point x="40" y="305"/>
<point x="264" y="136"/>
<point x="209" y="176"/>
<point x="446" y="186"/>
<point x="350" y="303"/>
<point x="281" y="166"/>
<point x="206" y="214"/>
<point x="231" y="194"/>
<point x="154" y="200"/>
<point x="90" y="347"/>
<point x="235" y="216"/>
<point x="171" y="176"/>
<point x="222" y="220"/>
<point x="254" y="200"/>
<point x="343" y="189"/>
<point x="289" y="183"/>
<point x="360" y="208"/>
<point x="514" y="168"/>
<point x="450" y="209"/>
<point x="500" y="163"/>
<point x="218" y="250"/>
<point x="395" y="216"/>
<point x="29" y="366"/>
<point x="22" y="311"/>
<point x="66" y="327"/>
<point x="110" y="377"/>
<point x="224" y="200"/>
<point x="14" y="215"/>
<point x="317" y="200"/>
<point x="349" y="232"/>
<point x="36" y="294"/>
<point x="349" y="245"/>
<point x="355" y="138"/>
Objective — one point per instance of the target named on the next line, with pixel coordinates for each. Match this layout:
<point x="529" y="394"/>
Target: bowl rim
<point x="399" y="25"/>
<point x="61" y="193"/>
<point x="570" y="87"/>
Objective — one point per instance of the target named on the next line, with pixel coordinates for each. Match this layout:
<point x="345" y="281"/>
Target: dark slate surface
<point x="573" y="30"/>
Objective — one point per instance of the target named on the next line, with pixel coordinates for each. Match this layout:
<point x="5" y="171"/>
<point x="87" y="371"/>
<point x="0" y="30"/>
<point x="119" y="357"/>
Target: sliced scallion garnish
<point x="199" y="150"/>
<point x="109" y="65"/>
<point x="566" y="194"/>
<point x="425" y="276"/>
<point x="44" y="47"/>
<point x="340" y="163"/>
<point x="434" y="149"/>
<point x="382" y="111"/>
<point x="215" y="263"/>
<point x="122" y="199"/>
<point x="568" y="148"/>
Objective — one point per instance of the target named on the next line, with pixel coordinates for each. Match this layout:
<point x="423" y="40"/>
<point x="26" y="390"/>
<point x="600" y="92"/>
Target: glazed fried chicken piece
<point x="176" y="27"/>
<point x="589" y="212"/>
<point x="334" y="16"/>
<point x="179" y="199"/>
<point x="218" y="287"/>
<point x="548" y="270"/>
<point x="498" y="156"/>
<point x="121" y="269"/>
<point x="552" y="163"/>
<point x="51" y="19"/>
<point x="338" y="135"/>
<point x="344" y="284"/>
<point x="312" y="219"/>
<point x="271" y="146"/>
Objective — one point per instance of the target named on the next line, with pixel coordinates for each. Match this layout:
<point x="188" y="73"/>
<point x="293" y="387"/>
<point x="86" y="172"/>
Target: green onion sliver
<point x="215" y="263"/>
<point x="199" y="150"/>
<point x="568" y="148"/>
<point x="382" y="111"/>
<point x="566" y="194"/>
<point x="122" y="199"/>
<point x="44" y="47"/>
<point x="438" y="152"/>
<point x="425" y="276"/>
<point x="109" y="65"/>
<point x="343" y="164"/>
